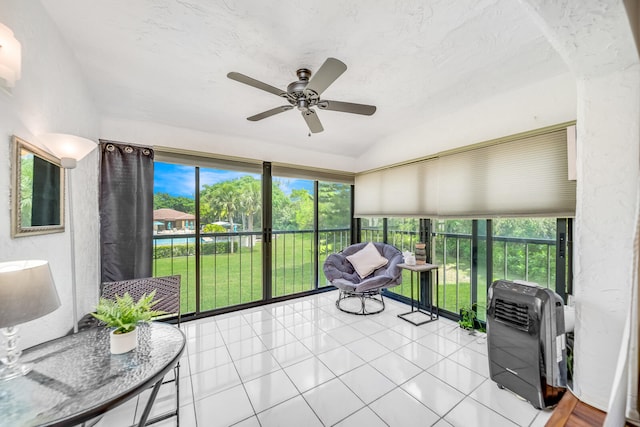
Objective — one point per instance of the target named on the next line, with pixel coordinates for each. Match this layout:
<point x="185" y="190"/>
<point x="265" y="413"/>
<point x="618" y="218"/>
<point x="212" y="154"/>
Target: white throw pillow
<point x="367" y="260"/>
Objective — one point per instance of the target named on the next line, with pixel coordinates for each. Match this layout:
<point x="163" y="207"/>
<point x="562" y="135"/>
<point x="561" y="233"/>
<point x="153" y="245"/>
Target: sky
<point x="179" y="180"/>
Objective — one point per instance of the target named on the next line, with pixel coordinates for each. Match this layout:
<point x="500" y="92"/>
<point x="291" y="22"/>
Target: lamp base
<point x="18" y="370"/>
<point x="11" y="367"/>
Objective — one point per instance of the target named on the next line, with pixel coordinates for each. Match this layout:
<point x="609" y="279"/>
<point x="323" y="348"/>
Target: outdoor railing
<point x="231" y="264"/>
<point x="513" y="258"/>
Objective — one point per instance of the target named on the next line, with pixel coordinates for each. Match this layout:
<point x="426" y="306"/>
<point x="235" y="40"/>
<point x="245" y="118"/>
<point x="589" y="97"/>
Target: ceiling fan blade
<point x="327" y="74"/>
<point x="270" y="113"/>
<point x="312" y="120"/>
<point x="347" y="107"/>
<point x="256" y="83"/>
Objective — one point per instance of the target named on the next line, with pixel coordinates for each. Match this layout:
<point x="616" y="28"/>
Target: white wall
<point x="503" y="114"/>
<point x="608" y="152"/>
<point x="595" y="40"/>
<point x="50" y="97"/>
<point x="156" y="134"/>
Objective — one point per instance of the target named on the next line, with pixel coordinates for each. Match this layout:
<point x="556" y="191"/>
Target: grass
<point x="231" y="279"/>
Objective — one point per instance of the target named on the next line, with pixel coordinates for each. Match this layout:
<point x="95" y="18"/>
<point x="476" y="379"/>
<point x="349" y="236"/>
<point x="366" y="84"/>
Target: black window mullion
<point x="316" y="232"/>
<point x="561" y="257"/>
<point x="197" y="242"/>
<point x="267" y="230"/>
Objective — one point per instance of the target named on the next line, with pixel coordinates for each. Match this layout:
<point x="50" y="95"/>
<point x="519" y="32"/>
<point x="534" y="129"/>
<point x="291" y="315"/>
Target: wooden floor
<point x="571" y="412"/>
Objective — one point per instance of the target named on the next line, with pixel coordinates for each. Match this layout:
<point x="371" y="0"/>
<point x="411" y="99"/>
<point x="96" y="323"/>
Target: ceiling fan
<point x="305" y="93"/>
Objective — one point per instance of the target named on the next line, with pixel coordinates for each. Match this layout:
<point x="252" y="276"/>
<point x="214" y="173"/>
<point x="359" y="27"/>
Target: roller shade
<point x="206" y="160"/>
<point x="405" y="191"/>
<point x="522" y="177"/>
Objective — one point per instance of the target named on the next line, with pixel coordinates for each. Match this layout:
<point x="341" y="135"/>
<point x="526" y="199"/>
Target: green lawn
<point x="233" y="278"/>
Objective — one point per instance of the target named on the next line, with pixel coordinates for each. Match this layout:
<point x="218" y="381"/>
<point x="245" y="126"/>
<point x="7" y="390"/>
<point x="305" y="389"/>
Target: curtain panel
<point x="126" y="211"/>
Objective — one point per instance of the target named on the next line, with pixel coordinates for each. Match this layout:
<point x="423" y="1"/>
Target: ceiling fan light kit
<point x="304" y="94"/>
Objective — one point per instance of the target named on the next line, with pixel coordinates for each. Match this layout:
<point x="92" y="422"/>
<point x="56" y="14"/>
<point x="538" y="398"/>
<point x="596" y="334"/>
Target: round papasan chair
<point x="361" y="272"/>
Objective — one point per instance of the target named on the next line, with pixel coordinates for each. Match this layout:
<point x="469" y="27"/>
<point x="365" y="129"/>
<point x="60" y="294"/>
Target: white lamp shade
<point x="27" y="291"/>
<point x="66" y="146"/>
<point x="10" y="57"/>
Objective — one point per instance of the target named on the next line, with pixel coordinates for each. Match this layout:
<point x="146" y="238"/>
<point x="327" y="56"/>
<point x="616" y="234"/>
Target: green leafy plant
<point x="124" y="313"/>
<point x="469" y="318"/>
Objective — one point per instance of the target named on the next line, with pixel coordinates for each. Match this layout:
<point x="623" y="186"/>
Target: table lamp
<point x="27" y="292"/>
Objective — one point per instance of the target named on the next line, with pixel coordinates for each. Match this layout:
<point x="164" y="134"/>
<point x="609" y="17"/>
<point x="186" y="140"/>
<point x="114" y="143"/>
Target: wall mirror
<point x="37" y="191"/>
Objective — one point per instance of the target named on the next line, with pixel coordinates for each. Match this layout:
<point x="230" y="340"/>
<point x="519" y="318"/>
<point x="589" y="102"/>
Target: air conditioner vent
<point x="512" y="313"/>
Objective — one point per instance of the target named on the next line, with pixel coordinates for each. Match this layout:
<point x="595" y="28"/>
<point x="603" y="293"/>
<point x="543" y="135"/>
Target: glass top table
<point x="76" y="378"/>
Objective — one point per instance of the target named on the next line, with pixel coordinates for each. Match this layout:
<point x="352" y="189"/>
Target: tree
<point x="178" y="203"/>
<point x="334" y="205"/>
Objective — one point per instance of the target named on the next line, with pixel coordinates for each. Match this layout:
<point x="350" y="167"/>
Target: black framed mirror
<point x="37" y="191"/>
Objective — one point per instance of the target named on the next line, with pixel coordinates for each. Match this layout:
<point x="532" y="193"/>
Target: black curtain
<point x="126" y="211"/>
<point x="45" y="200"/>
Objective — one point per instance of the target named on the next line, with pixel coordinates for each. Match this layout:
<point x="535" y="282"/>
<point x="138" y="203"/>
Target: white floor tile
<point x="224" y="408"/>
<point x="214" y="380"/>
<point x="332" y="401"/>
<point x="399" y="409"/>
<point x="277" y="338"/>
<point x="367" y="383"/>
<point x="364" y="417"/>
<point x="479" y="345"/>
<point x="433" y="393"/>
<point x="442" y="423"/>
<point x="472" y="360"/>
<point x="391" y="339"/>
<point x="346" y="334"/>
<point x="291" y="353"/>
<point x="395" y="367"/>
<point x="458" y="335"/>
<point x="304" y="329"/>
<point x="505" y="402"/>
<point x="439" y="344"/>
<point x="370" y="327"/>
<point x="269" y="390"/>
<point x="340" y="360"/>
<point x="249" y="422"/>
<point x="199" y="329"/>
<point x="411" y="331"/>
<point x="208" y="359"/>
<point x="367" y="348"/>
<point x="457" y="376"/>
<point x="204" y="342"/>
<point x="542" y="418"/>
<point x="246" y="348"/>
<point x="471" y="413"/>
<point x="330" y="322"/>
<point x="309" y="374"/>
<point x="419" y="355"/>
<point x="320" y="343"/>
<point x="255" y="366"/>
<point x="230" y="321"/>
<point x="241" y="333"/>
<point x="268" y="326"/>
<point x="187" y="418"/>
<point x="292" y="413"/>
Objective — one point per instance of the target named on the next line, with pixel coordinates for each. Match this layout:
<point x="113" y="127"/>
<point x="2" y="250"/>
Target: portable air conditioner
<point x="526" y="341"/>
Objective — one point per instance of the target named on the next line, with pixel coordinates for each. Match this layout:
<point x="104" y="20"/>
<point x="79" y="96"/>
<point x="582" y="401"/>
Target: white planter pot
<point x="122" y="343"/>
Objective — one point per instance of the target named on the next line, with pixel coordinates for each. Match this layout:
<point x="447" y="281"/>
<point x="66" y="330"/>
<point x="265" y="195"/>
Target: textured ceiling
<point x="166" y="61"/>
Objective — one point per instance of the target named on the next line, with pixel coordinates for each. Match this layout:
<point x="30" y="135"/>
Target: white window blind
<point x="523" y="177"/>
<point x="404" y="191"/>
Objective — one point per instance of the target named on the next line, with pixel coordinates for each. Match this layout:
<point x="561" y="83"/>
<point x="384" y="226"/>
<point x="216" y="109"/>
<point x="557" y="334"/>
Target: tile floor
<point x="304" y="363"/>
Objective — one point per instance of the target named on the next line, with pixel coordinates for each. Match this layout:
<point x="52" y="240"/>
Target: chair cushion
<point x="367" y="260"/>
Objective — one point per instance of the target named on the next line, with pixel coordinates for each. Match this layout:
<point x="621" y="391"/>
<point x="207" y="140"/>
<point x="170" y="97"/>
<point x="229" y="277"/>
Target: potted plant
<point x="123" y="314"/>
<point x="469" y="318"/>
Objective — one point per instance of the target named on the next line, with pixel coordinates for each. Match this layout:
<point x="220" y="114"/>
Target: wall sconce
<point x="10" y="58"/>
<point x="69" y="149"/>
